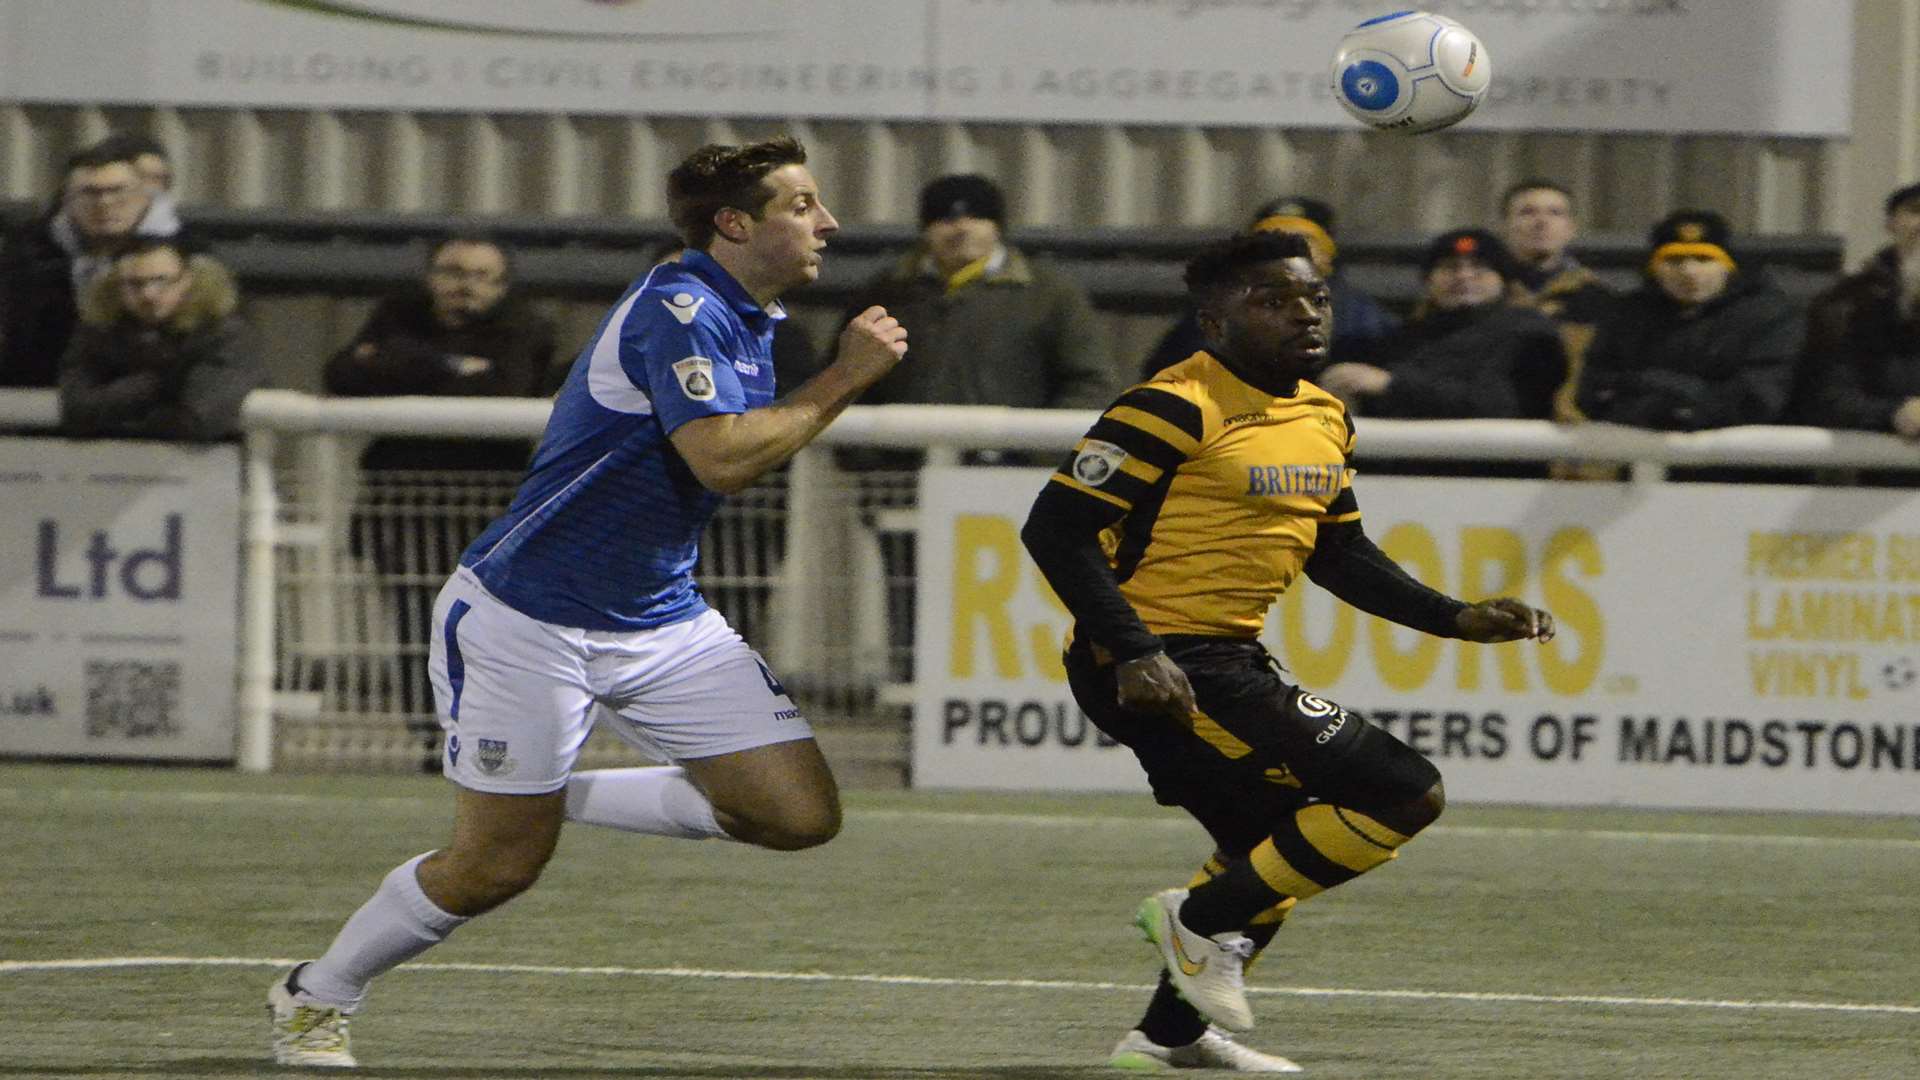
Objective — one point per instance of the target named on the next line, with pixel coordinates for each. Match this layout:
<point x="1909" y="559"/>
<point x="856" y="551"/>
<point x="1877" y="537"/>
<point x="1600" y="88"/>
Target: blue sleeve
<point x="686" y="367"/>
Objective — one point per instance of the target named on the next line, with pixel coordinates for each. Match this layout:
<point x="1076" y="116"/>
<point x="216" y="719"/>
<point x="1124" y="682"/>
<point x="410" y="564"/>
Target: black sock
<point x="1229" y="901"/>
<point x="1170" y="1021"/>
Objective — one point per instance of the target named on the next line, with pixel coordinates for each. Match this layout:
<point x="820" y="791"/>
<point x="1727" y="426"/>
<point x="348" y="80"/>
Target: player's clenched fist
<point x="1505" y="619"/>
<point x="873" y="341"/>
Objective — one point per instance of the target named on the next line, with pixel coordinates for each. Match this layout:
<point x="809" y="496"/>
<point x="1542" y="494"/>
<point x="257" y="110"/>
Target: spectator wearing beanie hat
<point x="1360" y="323"/>
<point x="1703" y="344"/>
<point x="990" y="326"/>
<point x="1861" y="368"/>
<point x="1469" y="351"/>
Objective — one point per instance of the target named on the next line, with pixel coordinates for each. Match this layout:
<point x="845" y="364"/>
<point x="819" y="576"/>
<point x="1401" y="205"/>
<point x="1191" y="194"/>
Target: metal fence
<point x="362" y="556"/>
<point x="815" y="566"/>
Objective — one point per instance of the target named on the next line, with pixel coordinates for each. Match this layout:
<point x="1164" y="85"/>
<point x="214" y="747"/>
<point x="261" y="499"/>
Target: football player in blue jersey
<point x="578" y="605"/>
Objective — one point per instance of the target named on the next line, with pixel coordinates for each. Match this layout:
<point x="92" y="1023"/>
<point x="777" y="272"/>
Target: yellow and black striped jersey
<point x="1212" y="492"/>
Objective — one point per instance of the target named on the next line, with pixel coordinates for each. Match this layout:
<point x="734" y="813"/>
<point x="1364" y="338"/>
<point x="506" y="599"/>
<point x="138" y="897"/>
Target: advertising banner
<point x="1720" y="647"/>
<point x="118" y="604"/>
<point x="1742" y="66"/>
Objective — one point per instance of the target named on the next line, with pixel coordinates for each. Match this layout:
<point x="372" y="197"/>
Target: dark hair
<point x="715" y="177"/>
<point x="112" y="150"/>
<point x="1230" y="262"/>
<point x="1901" y="196"/>
<point x="132" y="145"/>
<point x="477" y="239"/>
<point x="1530" y="184"/>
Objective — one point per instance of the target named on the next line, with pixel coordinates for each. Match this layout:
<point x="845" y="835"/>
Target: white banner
<point x="1720" y="647"/>
<point x="1745" y="66"/>
<point x="118" y="610"/>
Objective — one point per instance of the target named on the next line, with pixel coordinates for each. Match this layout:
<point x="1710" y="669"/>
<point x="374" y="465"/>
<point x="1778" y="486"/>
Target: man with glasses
<point x="160" y="353"/>
<point x="460" y="331"/>
<point x="45" y="268"/>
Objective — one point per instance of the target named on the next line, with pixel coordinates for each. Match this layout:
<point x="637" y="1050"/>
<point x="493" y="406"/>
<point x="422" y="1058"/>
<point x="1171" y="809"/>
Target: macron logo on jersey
<point x="684" y="307"/>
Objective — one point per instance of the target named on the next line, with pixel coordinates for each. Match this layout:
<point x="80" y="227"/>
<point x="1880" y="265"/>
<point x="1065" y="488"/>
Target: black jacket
<point x="1729" y="361"/>
<point x="39" y="302"/>
<point x="410" y="352"/>
<point x="184" y="379"/>
<point x="1862" y="360"/>
<point x="1492" y="360"/>
<point x="38" y="310"/>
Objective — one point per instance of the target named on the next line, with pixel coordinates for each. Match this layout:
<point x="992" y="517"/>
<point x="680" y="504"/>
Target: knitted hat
<point x="962" y="196"/>
<point x="1690" y="232"/>
<point x="1477" y="244"/>
<point x="1310" y="218"/>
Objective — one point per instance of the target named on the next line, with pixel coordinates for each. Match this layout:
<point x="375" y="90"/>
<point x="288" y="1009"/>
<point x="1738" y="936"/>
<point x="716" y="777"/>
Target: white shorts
<point x="518" y="696"/>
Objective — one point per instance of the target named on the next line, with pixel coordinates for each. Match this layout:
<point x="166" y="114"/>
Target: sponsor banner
<point x="119" y="607"/>
<point x="1720" y="647"/>
<point x="1756" y="66"/>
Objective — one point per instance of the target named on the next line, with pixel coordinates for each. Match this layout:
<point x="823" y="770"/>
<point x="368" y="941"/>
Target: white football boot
<point x="1205" y="970"/>
<point x="1212" y="1050"/>
<point x="306" y="1032"/>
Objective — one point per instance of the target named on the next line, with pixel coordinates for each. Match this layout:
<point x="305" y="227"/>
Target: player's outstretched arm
<point x="730" y="451"/>
<point x="1346" y="563"/>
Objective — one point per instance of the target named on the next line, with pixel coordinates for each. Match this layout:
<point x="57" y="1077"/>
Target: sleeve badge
<point x="1096" y="462"/>
<point x="695" y="374"/>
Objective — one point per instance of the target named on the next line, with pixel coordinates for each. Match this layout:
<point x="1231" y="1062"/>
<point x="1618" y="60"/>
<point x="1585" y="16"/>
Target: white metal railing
<point x="824" y="577"/>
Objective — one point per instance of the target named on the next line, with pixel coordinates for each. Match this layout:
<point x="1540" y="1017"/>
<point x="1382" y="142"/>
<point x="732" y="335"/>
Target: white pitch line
<point x="18" y="967"/>
<point x="1019" y="820"/>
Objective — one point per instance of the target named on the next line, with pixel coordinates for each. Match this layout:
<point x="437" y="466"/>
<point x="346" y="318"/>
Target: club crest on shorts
<point x="490" y="755"/>
<point x="696" y="377"/>
<point x="1096" y="462"/>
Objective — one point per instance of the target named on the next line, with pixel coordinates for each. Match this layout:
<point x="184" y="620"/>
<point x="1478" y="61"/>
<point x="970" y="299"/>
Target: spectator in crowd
<point x="1360" y="323"/>
<point x="160" y="352"/>
<point x="990" y="326"/>
<point x="150" y="159"/>
<point x="48" y="264"/>
<point x="1862" y="360"/>
<point x="1704" y="344"/>
<point x="1469" y="350"/>
<point x="462" y="331"/>
<point x="1538" y="225"/>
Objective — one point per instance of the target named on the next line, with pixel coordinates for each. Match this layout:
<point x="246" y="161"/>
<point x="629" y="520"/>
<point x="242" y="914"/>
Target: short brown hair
<point x="715" y="177"/>
<point x="1531" y="184"/>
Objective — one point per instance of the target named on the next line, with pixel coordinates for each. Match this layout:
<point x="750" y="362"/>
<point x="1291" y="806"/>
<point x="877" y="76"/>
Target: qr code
<point x="133" y="699"/>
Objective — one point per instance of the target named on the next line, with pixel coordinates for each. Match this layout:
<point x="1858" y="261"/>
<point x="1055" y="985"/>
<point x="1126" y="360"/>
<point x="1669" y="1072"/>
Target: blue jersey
<point x="604" y="532"/>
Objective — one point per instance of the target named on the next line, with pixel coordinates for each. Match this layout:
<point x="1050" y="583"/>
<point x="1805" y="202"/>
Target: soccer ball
<point x="1410" y="72"/>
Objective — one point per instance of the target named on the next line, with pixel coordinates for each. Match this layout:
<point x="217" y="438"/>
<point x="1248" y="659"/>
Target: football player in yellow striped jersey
<point x="1197" y="498"/>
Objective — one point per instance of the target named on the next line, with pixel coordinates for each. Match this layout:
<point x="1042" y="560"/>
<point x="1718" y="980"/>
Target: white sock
<point x="397" y="924"/>
<point x="659" y="801"/>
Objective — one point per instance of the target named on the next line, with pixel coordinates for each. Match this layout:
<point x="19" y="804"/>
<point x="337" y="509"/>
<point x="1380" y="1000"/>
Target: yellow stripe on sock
<point x="1279" y="875"/>
<point x="1333" y="833"/>
<point x="1370" y="828"/>
<point x="1276" y="914"/>
<point x="1212" y="868"/>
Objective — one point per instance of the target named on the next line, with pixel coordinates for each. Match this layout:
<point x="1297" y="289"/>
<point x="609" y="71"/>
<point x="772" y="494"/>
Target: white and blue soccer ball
<point x="1410" y="72"/>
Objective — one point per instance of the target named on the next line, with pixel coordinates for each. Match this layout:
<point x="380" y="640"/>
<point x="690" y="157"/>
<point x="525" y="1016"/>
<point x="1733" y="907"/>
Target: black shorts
<point x="1262" y="748"/>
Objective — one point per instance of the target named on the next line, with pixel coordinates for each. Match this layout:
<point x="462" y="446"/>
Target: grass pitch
<point x="947" y="935"/>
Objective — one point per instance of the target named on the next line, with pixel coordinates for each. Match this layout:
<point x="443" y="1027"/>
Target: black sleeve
<point x="1346" y="563"/>
<point x="1062" y="535"/>
<point x="1156" y="430"/>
